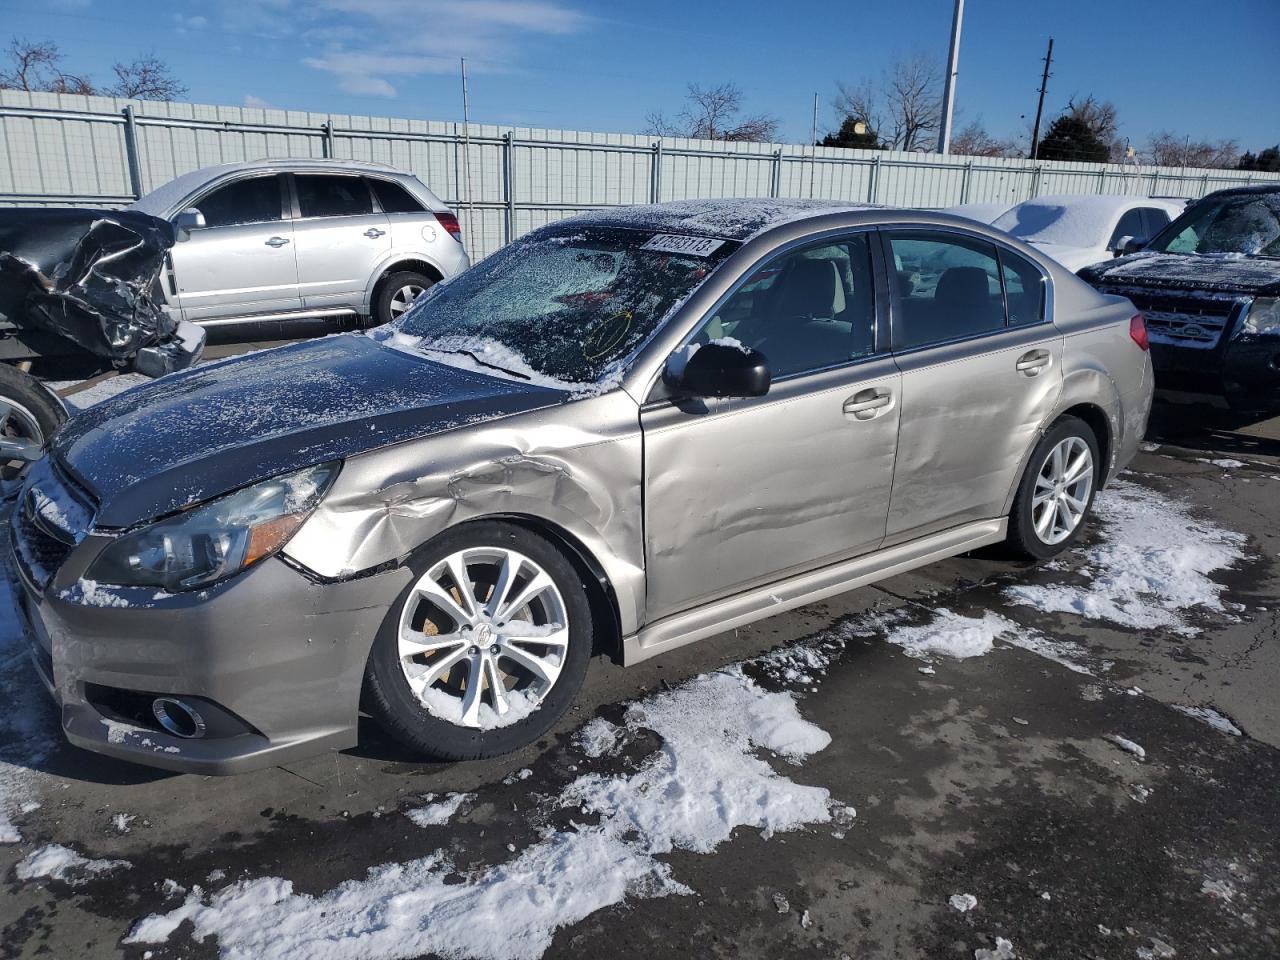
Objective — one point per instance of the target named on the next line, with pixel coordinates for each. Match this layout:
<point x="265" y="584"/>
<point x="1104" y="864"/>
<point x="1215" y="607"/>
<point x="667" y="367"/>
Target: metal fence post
<point x="327" y="128"/>
<point x="1035" y="180"/>
<point x="655" y="175"/>
<point x="1102" y="179"/>
<point x="508" y="154"/>
<point x="776" y="186"/>
<point x="131" y="151"/>
<point x="873" y="187"/>
<point x="964" y="181"/>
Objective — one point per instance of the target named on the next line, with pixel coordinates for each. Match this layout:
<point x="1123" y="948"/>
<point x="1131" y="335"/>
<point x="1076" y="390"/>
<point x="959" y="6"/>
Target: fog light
<point x="178" y="718"/>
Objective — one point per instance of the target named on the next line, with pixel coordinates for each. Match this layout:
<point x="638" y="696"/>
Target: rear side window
<point x="1155" y="219"/>
<point x="944" y="288"/>
<point x="1130" y="225"/>
<point x="1023" y="289"/>
<point x="394" y="198"/>
<point x="255" y="200"/>
<point x="322" y="195"/>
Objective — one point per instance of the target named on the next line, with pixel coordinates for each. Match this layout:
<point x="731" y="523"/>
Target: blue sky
<point x="1183" y="65"/>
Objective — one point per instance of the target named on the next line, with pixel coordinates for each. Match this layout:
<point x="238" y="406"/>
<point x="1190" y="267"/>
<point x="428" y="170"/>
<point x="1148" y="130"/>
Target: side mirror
<point x="722" y="368"/>
<point x="1126" y="245"/>
<point x="188" y="220"/>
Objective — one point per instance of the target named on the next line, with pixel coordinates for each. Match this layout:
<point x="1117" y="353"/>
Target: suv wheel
<point x="486" y="649"/>
<point x="29" y="416"/>
<point x="1056" y="492"/>
<point x="397" y="294"/>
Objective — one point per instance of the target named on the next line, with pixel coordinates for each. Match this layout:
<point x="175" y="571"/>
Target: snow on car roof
<point x="732" y="218"/>
<point x="161" y="201"/>
<point x="1074" y="220"/>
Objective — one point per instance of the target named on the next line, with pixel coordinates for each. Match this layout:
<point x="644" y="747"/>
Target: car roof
<point x="738" y="218"/>
<point x="1251" y="188"/>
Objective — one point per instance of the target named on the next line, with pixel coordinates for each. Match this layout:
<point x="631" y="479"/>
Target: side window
<point x="806" y="310"/>
<point x="394" y="198"/>
<point x="323" y="195"/>
<point x="946" y="287"/>
<point x="256" y="200"/>
<point x="1155" y="220"/>
<point x="1130" y="225"/>
<point x="1023" y="289"/>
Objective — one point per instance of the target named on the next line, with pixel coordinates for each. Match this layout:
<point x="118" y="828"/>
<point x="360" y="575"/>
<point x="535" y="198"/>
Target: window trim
<point x="1046" y="280"/>
<point x="199" y="198"/>
<point x="878" y="307"/>
<point x="374" y="206"/>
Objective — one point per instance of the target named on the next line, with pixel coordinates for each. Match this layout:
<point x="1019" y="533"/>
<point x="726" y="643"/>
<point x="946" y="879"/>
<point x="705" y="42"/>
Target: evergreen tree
<point x="1071" y="138"/>
<point x="849" y="138"/>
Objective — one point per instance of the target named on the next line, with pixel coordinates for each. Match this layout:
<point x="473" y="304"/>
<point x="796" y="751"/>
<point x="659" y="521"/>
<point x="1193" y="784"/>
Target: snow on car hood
<point x="195" y="435"/>
<point x="1226" y="273"/>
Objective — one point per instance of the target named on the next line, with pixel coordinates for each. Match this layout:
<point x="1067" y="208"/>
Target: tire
<point x="1048" y="539"/>
<point x="433" y="720"/>
<point x="393" y="294"/>
<point x="29" y="415"/>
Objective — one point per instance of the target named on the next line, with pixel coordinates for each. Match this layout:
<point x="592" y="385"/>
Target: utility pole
<point x="813" y="139"/>
<point x="949" y="90"/>
<point x="466" y="146"/>
<point x="1044" y="83"/>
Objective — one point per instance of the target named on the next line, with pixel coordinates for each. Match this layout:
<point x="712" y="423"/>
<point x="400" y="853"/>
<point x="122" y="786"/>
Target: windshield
<point x="563" y="309"/>
<point x="1247" y="224"/>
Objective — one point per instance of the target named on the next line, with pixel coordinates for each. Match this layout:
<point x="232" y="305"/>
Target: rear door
<point x="981" y="370"/>
<point x="242" y="261"/>
<point x="340" y="238"/>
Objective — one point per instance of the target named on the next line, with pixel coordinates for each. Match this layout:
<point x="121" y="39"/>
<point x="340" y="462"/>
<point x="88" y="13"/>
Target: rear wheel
<point x="486" y="649"/>
<point x="29" y="416"/>
<point x="1056" y="492"/>
<point x="397" y="293"/>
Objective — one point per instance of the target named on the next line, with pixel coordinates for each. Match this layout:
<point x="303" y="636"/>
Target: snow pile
<point x="1213" y="718"/>
<point x="951" y="635"/>
<point x="62" y="863"/>
<point x="706" y="780"/>
<point x="434" y="814"/>
<point x="599" y="737"/>
<point x="1152" y="565"/>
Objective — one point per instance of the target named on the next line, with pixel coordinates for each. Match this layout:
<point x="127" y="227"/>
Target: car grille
<point x="1193" y="322"/>
<point x="52" y="517"/>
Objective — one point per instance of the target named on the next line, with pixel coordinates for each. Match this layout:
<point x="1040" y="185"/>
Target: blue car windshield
<point x="563" y="306"/>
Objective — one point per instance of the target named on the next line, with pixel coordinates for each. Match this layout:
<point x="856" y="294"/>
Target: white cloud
<point x="185" y="23"/>
<point x="257" y="102"/>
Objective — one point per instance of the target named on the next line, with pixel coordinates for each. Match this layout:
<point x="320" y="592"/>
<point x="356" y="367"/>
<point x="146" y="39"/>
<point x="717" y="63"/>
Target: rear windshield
<point x="1246" y="224"/>
<point x="560" y="307"/>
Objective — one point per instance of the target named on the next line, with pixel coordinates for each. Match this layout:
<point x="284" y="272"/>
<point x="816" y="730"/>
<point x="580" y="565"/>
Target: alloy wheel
<point x="21" y="439"/>
<point x="1062" y="489"/>
<point x="403" y="298"/>
<point x="483" y="637"/>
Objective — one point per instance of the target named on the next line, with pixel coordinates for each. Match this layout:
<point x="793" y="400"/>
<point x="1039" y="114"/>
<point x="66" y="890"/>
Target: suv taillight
<point x="450" y="223"/>
<point x="1138" y="330"/>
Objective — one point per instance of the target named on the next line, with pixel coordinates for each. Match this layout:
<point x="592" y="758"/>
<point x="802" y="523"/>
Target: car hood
<point x="197" y="434"/>
<point x="1257" y="276"/>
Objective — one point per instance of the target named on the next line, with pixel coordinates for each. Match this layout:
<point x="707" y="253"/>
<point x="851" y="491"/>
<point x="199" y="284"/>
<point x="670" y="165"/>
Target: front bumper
<point x="178" y="353"/>
<point x="279" y="657"/>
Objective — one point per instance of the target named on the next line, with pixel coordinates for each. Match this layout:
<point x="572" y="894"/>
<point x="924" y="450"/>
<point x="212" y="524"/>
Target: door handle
<point x="869" y="404"/>
<point x="1031" y="364"/>
<point x="373" y="233"/>
<point x="276" y="242"/>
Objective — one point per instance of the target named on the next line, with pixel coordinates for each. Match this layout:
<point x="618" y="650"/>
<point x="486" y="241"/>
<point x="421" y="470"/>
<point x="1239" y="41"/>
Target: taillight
<point x="450" y="223"/>
<point x="1138" y="330"/>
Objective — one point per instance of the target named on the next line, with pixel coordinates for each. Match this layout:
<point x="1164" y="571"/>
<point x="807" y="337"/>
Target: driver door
<point x="742" y="492"/>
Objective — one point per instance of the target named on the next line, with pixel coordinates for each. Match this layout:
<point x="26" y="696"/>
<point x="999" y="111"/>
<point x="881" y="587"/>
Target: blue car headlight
<point x="216" y="539"/>
<point x="1262" y="317"/>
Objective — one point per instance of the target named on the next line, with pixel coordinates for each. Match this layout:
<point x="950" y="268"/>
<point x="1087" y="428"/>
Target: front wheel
<point x="486" y="648"/>
<point x="1056" y="492"/>
<point x="29" y="416"/>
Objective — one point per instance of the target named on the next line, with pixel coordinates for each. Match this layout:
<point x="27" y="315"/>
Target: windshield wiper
<point x="483" y="363"/>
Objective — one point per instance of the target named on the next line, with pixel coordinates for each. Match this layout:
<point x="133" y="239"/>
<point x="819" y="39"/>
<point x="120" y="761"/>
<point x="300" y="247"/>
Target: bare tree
<point x="146" y="78"/>
<point x="711" y="113"/>
<point x="904" y="106"/>
<point x="34" y="66"/>
<point x="1166" y="149"/>
<point x="974" y="141"/>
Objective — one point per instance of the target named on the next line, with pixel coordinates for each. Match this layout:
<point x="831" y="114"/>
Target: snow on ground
<point x="707" y="779"/>
<point x="964" y="902"/>
<point x="951" y="635"/>
<point x="434" y="814"/>
<point x="599" y="737"/>
<point x="62" y="863"/>
<point x="1127" y="745"/>
<point x="1212" y="717"/>
<point x="1151" y="568"/>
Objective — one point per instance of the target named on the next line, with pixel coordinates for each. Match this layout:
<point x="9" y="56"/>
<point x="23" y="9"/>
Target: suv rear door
<point x="340" y="238"/>
<point x="242" y="261"/>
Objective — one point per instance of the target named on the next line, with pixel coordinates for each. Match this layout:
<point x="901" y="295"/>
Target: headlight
<point x="1263" y="317"/>
<point x="217" y="539"/>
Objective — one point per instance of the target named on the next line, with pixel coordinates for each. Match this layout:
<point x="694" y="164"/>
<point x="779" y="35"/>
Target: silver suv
<point x="274" y="247"/>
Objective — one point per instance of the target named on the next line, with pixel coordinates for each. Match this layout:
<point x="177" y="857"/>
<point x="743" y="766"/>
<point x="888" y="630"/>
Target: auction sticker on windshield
<point x="691" y="246"/>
